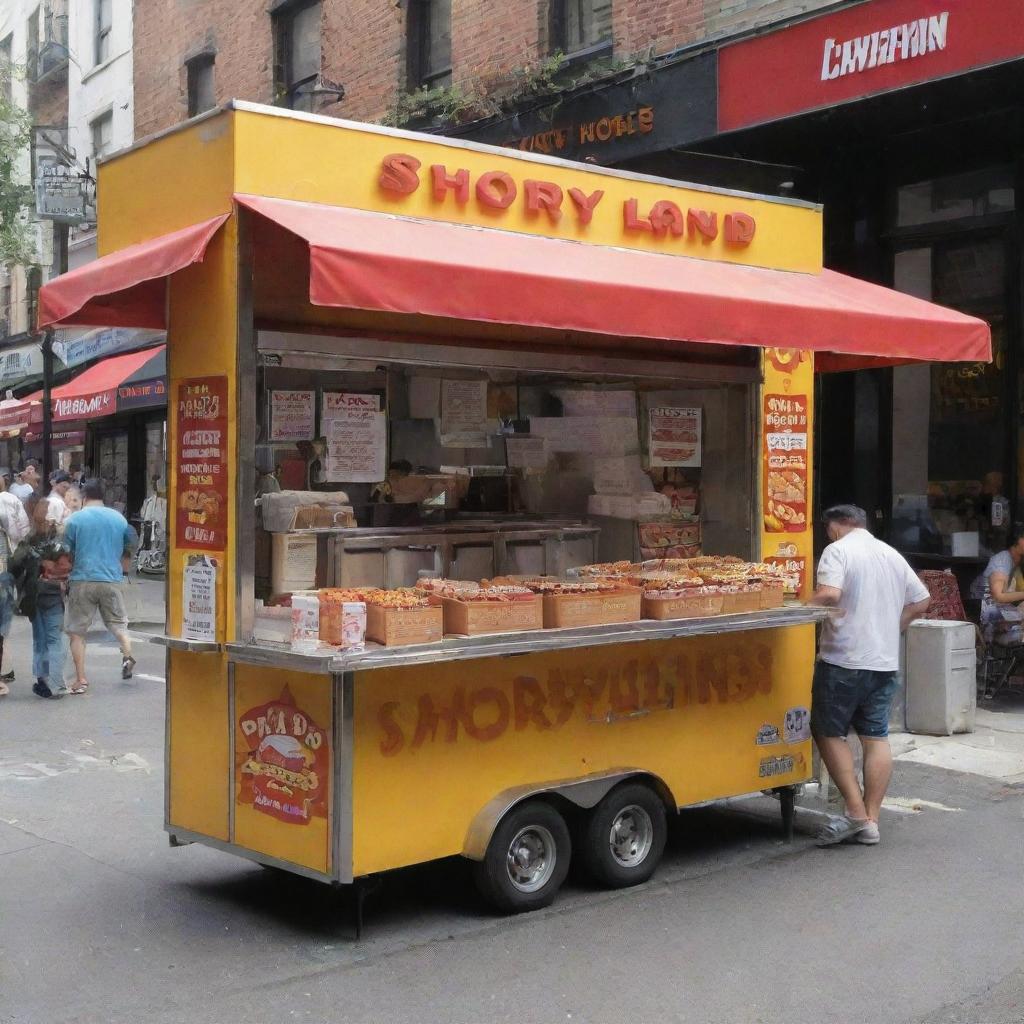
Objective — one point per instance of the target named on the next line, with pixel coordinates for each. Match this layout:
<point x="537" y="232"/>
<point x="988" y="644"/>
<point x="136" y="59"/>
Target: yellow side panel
<point x="434" y="744"/>
<point x="197" y="727"/>
<point x="283" y="763"/>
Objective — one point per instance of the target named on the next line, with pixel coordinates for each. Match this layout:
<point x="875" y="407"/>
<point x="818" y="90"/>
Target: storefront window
<point x="956" y="197"/>
<point x="113" y="467"/>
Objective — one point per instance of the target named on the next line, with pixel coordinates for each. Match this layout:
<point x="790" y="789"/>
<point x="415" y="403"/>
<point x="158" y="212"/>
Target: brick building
<point x="302" y="54"/>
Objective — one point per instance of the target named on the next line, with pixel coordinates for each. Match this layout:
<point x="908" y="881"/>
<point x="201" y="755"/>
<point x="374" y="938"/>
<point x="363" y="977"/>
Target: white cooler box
<point x="941" y="677"/>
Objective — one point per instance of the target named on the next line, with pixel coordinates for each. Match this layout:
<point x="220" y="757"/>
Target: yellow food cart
<point x="300" y="263"/>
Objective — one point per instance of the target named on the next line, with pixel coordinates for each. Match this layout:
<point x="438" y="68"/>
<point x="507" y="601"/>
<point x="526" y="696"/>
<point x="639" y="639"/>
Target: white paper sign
<point x="674" y="436"/>
<point x="526" y="452"/>
<point x="592" y="435"/>
<point x="588" y="402"/>
<point x="199" y="600"/>
<point x="291" y="415"/>
<point x="620" y="476"/>
<point x="464" y="413"/>
<point x="356" y="433"/>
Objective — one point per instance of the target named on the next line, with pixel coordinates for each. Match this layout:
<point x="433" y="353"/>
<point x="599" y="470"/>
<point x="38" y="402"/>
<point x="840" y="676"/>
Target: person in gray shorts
<point x="101" y="543"/>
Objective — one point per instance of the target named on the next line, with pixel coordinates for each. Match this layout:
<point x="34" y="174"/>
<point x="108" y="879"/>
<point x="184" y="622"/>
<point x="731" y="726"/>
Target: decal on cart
<point x="282" y="760"/>
<point x="775" y="766"/>
<point x="796" y="727"/>
<point x="768" y="735"/>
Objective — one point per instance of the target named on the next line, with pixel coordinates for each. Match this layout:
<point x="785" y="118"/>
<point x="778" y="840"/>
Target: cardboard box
<point x="562" y="610"/>
<point x="472" y="618"/>
<point x="395" y="627"/>
<point x="745" y="601"/>
<point x="696" y="606"/>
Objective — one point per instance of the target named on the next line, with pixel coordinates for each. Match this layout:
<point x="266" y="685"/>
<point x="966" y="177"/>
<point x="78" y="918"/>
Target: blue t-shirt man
<point x="98" y="537"/>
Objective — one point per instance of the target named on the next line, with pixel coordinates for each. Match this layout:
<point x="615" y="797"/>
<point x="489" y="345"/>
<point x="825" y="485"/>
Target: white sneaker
<point x="868" y="835"/>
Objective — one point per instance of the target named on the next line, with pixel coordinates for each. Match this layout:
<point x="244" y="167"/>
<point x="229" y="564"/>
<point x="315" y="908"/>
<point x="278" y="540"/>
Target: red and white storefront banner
<point x="872" y="47"/>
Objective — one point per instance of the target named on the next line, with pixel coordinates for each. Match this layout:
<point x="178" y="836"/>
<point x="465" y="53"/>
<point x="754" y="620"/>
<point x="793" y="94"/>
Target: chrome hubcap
<point x="631" y="836"/>
<point x="531" y="858"/>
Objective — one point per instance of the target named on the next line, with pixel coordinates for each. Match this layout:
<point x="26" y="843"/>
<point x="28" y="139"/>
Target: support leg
<point x="787" y="801"/>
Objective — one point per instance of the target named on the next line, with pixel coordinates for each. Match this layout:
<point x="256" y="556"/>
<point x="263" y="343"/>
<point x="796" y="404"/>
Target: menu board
<point x="589" y="435"/>
<point x="201" y="472"/>
<point x="356" y="433"/>
<point x="674" y="436"/>
<point x="786" y="454"/>
<point x="199" y="599"/>
<point x="292" y="415"/>
<point x="464" y="413"/>
<point x="594" y="402"/>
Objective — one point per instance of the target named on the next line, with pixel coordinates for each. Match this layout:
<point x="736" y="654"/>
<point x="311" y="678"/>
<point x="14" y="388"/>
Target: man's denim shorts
<point x="845" y="697"/>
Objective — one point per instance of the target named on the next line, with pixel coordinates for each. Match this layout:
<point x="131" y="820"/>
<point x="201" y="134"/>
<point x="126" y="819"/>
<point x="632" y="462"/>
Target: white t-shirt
<point x="56" y="510"/>
<point x="876" y="584"/>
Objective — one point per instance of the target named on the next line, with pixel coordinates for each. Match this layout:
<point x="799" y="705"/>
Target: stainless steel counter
<point x="504" y="644"/>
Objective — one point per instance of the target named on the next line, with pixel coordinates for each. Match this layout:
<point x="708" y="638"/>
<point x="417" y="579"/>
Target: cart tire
<point x="527" y="859"/>
<point x="624" y="836"/>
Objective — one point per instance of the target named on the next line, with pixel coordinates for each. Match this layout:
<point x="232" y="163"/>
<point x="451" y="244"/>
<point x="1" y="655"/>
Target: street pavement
<point x="102" y="922"/>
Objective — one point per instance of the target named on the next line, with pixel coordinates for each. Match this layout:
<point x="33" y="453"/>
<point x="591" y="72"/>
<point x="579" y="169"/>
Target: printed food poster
<point x="786" y="460"/>
<point x="282" y="761"/>
<point x="201" y="517"/>
<point x="292" y="415"/>
<point x="356" y="433"/>
<point x="674" y="436"/>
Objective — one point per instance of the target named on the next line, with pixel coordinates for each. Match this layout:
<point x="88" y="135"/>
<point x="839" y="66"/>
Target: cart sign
<point x="202" y="477"/>
<point x="282" y="761"/>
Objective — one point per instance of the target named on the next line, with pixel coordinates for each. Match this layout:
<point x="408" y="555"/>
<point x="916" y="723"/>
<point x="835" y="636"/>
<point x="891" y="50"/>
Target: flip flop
<point x="77" y="688"/>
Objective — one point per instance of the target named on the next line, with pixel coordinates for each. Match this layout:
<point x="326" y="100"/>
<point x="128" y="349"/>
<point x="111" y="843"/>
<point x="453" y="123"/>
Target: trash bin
<point x="941" y="669"/>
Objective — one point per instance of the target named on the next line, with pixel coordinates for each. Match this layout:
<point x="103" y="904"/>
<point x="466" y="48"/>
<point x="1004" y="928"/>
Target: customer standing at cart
<point x="875" y="596"/>
<point x="102" y="543"/>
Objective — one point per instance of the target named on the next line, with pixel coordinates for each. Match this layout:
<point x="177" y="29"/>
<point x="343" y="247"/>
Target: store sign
<point x="73" y="351"/>
<point x="84" y="408"/>
<point x="860" y="51"/>
<point x="61" y="194"/>
<point x="18" y="363"/>
<point x="201" y="514"/>
<point x="402" y="174"/>
<point x="143" y="394"/>
<point x="648" y="113"/>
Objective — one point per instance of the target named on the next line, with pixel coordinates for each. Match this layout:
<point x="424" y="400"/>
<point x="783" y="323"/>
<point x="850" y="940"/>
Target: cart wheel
<point x="625" y="836"/>
<point x="527" y="859"/>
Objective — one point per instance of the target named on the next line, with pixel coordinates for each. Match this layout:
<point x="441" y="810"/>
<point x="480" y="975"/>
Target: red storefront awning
<point x="127" y="288"/>
<point x="373" y="261"/>
<point x="110" y="386"/>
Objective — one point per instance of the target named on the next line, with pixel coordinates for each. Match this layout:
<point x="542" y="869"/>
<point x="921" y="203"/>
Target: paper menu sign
<point x="591" y="402"/>
<point x="593" y="435"/>
<point x="291" y="415"/>
<point x="674" y="436"/>
<point x="356" y="432"/>
<point x="526" y="452"/>
<point x="199" y="599"/>
<point x="464" y="413"/>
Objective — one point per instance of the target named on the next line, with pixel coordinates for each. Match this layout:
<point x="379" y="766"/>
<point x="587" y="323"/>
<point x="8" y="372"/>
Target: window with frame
<point x="101" y="131"/>
<point x="581" y="28"/>
<point x="104" y="11"/>
<point x="6" y="68"/>
<point x="297" y="54"/>
<point x="32" y="43"/>
<point x="201" y="95"/>
<point x="430" y="44"/>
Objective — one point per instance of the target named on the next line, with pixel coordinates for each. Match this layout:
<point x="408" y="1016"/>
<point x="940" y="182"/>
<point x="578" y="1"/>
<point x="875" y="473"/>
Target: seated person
<point x="1001" y="588"/>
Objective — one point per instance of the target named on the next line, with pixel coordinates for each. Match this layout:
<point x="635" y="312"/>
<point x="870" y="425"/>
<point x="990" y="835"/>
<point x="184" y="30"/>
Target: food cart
<point x="579" y="366"/>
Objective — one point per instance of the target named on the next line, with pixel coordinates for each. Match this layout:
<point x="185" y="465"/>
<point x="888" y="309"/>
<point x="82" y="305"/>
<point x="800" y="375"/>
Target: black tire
<point x="634" y="859"/>
<point x="542" y="833"/>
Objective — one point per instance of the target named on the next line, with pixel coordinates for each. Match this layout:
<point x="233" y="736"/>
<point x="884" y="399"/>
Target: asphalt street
<point x="101" y="921"/>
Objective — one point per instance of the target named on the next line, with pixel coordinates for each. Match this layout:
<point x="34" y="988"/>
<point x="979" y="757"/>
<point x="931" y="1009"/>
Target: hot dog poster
<point x="786" y="454"/>
<point x="674" y="436"/>
<point x="201" y="470"/>
<point x="282" y="761"/>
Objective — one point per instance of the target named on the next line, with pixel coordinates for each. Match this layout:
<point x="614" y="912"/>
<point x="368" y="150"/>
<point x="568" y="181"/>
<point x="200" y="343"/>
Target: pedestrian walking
<point x="41" y="566"/>
<point x="102" y="545"/>
<point x="28" y="480"/>
<point x="14" y="527"/>
<point x="874" y="595"/>
<point x="57" y="512"/>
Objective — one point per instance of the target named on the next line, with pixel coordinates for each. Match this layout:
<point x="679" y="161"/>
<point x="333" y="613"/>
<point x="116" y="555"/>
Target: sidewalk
<point x="145" y="601"/>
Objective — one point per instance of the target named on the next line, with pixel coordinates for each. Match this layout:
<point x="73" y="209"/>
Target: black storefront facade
<point x="905" y="118"/>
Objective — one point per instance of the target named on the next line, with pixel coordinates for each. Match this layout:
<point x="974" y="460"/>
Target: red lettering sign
<point x="201" y="463"/>
<point x="860" y="51"/>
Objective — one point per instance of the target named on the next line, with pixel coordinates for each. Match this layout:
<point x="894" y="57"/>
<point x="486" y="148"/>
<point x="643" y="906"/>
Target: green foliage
<point x="17" y="235"/>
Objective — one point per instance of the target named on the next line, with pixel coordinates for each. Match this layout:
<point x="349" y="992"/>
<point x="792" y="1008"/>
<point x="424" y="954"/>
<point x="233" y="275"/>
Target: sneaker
<point x="7" y="677"/>
<point x="40" y="689"/>
<point x="868" y="835"/>
<point x="841" y="828"/>
<point x="127" y="664"/>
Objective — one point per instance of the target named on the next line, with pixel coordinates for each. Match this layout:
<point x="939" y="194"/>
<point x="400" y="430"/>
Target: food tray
<point x="773" y="595"/>
<point x="692" y="606"/>
<point x="472" y="618"/>
<point x="562" y="610"/>
<point x="394" y="627"/>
